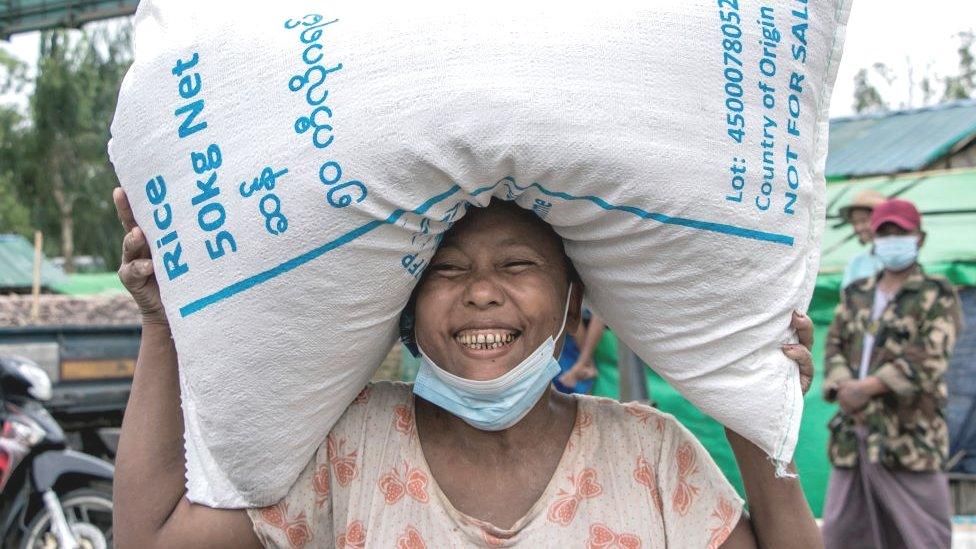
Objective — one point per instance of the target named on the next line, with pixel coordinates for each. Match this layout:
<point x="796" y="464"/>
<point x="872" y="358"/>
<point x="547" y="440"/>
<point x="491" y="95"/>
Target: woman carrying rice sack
<point x="480" y="450"/>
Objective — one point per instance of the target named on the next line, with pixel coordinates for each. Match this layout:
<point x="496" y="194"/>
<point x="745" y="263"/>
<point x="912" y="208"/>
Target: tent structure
<point x="17" y="266"/>
<point x="947" y="201"/>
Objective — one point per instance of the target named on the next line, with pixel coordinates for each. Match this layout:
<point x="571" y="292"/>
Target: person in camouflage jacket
<point x="885" y="363"/>
<point x="913" y="338"/>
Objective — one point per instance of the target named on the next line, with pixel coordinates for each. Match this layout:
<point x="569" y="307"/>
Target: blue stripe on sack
<point x="296" y="262"/>
<point x="291" y="264"/>
<point x="722" y="228"/>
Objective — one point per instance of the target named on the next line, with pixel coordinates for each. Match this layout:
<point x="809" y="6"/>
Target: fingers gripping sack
<point x="293" y="165"/>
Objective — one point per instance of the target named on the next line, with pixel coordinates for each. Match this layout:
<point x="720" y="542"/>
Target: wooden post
<point x="36" y="289"/>
<point x="631" y="371"/>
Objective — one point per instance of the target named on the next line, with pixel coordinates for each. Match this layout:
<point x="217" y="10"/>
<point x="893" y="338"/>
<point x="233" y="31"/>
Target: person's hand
<point x="585" y="370"/>
<point x="136" y="271"/>
<point x="568" y="379"/>
<point x="852" y="396"/>
<point x="800" y="352"/>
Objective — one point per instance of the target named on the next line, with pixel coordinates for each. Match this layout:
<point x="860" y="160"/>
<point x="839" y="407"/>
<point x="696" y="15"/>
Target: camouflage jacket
<point x="914" y="336"/>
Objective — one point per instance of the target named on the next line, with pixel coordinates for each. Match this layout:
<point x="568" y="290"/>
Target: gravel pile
<point x="61" y="310"/>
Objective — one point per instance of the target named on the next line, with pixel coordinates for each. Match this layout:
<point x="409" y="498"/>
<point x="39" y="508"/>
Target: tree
<point x="14" y="215"/>
<point x="13" y="73"/>
<point x="64" y="175"/>
<point x="963" y="85"/>
<point x="867" y="99"/>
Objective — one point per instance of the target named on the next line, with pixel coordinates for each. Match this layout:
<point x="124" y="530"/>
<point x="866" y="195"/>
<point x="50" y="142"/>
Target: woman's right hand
<point x="136" y="271"/>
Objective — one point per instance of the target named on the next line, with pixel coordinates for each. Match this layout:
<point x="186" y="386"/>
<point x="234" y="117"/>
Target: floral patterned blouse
<point x="630" y="477"/>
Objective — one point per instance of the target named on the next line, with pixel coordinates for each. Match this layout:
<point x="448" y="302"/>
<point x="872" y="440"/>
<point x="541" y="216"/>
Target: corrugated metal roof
<point x="17" y="265"/>
<point x="897" y="142"/>
<point x="29" y="15"/>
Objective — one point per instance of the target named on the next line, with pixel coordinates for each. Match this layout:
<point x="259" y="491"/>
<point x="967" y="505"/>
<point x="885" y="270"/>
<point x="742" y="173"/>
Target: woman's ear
<point x="921" y="238"/>
<point x="575" y="314"/>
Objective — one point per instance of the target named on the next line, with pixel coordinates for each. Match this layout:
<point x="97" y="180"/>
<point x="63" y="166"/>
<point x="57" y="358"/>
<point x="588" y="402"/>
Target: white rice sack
<point x="294" y="162"/>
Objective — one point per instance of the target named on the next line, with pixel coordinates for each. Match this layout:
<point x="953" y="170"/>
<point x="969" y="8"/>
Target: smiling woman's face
<point x="494" y="291"/>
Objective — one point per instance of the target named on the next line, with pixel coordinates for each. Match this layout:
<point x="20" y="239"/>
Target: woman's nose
<point x="483" y="292"/>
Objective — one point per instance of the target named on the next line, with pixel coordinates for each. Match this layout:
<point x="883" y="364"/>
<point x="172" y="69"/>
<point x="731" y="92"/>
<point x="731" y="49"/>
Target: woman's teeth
<point x="485" y="340"/>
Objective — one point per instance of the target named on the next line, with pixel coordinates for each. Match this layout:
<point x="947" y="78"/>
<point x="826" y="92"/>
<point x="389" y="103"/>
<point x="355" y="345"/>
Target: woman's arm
<point x="150" y="508"/>
<point x="779" y="515"/>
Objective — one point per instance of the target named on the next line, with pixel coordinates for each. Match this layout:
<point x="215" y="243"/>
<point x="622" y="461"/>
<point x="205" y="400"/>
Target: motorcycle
<point x="50" y="496"/>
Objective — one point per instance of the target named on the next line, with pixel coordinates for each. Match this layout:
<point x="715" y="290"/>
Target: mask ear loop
<point x="569" y="296"/>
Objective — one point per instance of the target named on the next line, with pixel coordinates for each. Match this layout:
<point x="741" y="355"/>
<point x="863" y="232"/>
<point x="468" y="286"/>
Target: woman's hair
<point x="408" y="317"/>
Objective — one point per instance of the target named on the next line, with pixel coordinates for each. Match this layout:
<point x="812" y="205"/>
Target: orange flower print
<point x="644" y="475"/>
<point x="354" y="536"/>
<point x="274" y="514"/>
<point x="584" y="420"/>
<point x="725" y="514"/>
<point x="411" y="540"/>
<point x="320" y="484"/>
<point x="563" y="510"/>
<point x="602" y="537"/>
<point x="363" y="396"/>
<point x="639" y="411"/>
<point x="684" y="491"/>
<point x="298" y="532"/>
<point x="412" y="482"/>
<point x="403" y="419"/>
<point x="644" y="413"/>
<point x="296" y="529"/>
<point x="343" y="464"/>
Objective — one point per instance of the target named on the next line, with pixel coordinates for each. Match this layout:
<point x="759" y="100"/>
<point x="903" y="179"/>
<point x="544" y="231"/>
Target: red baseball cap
<point x="895" y="210"/>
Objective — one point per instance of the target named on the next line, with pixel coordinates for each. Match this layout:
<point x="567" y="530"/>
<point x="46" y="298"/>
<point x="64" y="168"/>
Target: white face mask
<point x="896" y="252"/>
<point x="495" y="404"/>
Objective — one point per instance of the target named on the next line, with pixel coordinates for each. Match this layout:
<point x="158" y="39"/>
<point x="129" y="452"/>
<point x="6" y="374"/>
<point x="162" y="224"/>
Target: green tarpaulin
<point x="89" y="284"/>
<point x="17" y="266"/>
<point x="948" y="203"/>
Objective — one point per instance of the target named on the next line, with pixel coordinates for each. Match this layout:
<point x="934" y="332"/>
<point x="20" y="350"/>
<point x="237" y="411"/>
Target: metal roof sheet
<point x="17" y="265"/>
<point x="897" y="142"/>
<point x="29" y="15"/>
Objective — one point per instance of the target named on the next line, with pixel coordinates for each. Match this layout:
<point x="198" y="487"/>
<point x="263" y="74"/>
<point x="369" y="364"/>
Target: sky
<point x="898" y="33"/>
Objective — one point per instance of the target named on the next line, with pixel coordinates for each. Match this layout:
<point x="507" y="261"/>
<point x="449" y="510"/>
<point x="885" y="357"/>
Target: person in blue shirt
<point x="858" y="214"/>
<point x="577" y="370"/>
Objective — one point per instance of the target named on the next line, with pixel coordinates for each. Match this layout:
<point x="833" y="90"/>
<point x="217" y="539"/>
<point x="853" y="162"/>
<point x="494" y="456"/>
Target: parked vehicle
<point x="50" y="496"/>
<point x="90" y="368"/>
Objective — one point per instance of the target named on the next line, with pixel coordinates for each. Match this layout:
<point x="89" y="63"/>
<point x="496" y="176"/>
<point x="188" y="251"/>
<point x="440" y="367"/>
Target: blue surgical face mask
<point x="896" y="252"/>
<point x="495" y="404"/>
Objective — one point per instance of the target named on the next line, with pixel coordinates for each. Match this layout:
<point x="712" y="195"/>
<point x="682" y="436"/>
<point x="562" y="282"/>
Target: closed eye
<point x="446" y="268"/>
<point x="518" y="265"/>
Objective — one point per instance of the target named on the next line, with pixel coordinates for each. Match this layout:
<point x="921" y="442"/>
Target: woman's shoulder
<point x="609" y="412"/>
<point x="376" y="405"/>
<point x="384" y="393"/>
<point x="630" y="423"/>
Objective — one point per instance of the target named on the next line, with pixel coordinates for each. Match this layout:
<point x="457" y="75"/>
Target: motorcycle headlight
<point x="40" y="383"/>
<point x="18" y="435"/>
<point x="22" y="430"/>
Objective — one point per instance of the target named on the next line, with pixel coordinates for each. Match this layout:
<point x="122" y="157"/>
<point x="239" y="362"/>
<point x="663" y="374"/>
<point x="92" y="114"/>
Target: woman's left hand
<point x="800" y="352"/>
